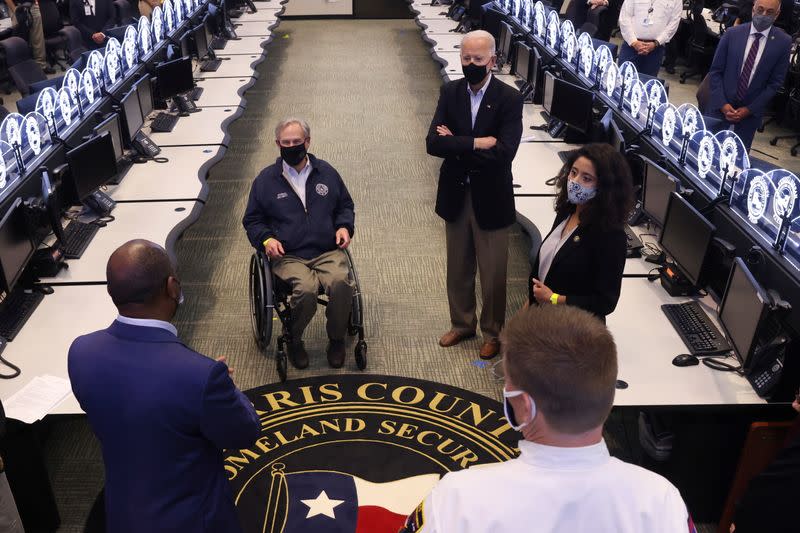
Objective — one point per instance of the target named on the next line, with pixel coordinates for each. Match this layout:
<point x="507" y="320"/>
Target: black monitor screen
<point x="174" y="77"/>
<point x="572" y="105"/>
<point x="658" y="185"/>
<point x="536" y="64"/>
<point x="201" y="40"/>
<point x="132" y="113"/>
<point x="742" y="309"/>
<point x="617" y="139"/>
<point x="686" y="237"/>
<point x="549" y="87"/>
<point x="112" y="126"/>
<point x="506" y="33"/>
<point x="91" y="165"/>
<point x="144" y="90"/>
<point x="186" y="49"/>
<point x="523" y="61"/>
<point x="16" y="245"/>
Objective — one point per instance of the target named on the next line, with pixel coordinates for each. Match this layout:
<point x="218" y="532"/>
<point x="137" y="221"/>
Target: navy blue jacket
<point x="275" y="211"/>
<point x="163" y="414"/>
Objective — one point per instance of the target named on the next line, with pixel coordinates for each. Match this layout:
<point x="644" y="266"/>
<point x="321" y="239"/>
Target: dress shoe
<point x="49" y="70"/>
<point x="298" y="355"/>
<point x="454" y="336"/>
<point x="490" y="349"/>
<point x="336" y="353"/>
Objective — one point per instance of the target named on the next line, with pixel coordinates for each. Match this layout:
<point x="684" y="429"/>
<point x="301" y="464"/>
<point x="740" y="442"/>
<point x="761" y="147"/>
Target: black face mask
<point x="293" y="155"/>
<point x="474" y="73"/>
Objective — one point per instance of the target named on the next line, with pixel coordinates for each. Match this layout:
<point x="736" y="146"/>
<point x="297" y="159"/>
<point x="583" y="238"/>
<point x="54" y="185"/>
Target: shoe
<point x="298" y="355"/>
<point x="453" y="337"/>
<point x="49" y="70"/>
<point x="490" y="349"/>
<point x="336" y="353"/>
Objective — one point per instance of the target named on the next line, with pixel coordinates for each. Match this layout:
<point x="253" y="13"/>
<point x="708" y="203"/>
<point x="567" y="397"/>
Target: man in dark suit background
<point x="476" y="129"/>
<point x="749" y="67"/>
<point x="163" y="413"/>
<point x="92" y="18"/>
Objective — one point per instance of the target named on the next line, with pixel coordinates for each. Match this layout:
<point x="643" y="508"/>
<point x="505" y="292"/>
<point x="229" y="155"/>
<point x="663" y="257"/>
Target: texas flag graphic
<point x="331" y="502"/>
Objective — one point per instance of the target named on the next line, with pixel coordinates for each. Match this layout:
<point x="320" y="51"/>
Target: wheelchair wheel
<point x="281" y="363"/>
<point x="261" y="308"/>
<point x="361" y="354"/>
<point x="356" y="323"/>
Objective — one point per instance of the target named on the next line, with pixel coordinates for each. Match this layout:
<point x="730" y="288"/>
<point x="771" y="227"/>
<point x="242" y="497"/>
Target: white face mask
<point x="508" y="410"/>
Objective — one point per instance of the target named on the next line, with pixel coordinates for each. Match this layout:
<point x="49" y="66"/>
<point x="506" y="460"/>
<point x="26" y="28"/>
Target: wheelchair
<point x="269" y="296"/>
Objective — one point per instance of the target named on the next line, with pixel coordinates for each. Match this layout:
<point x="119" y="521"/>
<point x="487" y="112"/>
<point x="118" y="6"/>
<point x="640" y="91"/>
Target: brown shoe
<point x="453" y="337"/>
<point x="490" y="349"/>
<point x="336" y="353"/>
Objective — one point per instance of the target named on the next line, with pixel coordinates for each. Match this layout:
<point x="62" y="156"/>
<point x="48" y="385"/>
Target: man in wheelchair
<point x="301" y="213"/>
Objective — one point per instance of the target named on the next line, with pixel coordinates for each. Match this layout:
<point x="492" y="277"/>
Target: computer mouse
<point x="685" y="359"/>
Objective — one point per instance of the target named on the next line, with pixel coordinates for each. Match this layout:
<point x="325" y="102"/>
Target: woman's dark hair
<point x="614" y="199"/>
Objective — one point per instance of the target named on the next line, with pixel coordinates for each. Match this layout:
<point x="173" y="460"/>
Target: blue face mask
<point x="762" y="22"/>
<point x="578" y="194"/>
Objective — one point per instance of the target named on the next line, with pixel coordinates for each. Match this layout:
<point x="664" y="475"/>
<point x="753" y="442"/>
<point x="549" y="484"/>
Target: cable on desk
<point x="12" y="366"/>
<point x="551" y="181"/>
<point x="722" y="366"/>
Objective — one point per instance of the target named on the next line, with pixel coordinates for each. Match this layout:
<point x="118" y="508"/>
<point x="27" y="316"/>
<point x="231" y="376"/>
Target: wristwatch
<point x="554" y="298"/>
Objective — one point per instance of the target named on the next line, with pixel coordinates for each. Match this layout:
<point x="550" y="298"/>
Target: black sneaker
<point x="49" y="70"/>
<point x="336" y="353"/>
<point x="298" y="355"/>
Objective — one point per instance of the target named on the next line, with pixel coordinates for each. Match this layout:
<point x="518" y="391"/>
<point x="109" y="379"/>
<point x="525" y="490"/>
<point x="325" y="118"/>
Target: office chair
<point x="75" y="43"/>
<point x="55" y="40"/>
<point x="791" y="109"/>
<point x="21" y="66"/>
<point x="125" y="12"/>
<point x="701" y="45"/>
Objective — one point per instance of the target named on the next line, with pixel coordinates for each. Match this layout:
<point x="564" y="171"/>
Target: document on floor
<point x="33" y="401"/>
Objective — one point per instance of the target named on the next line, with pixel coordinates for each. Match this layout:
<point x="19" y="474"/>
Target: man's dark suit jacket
<point x="104" y="18"/>
<point x="587" y="269"/>
<point x="489" y="171"/>
<point x="163" y="413"/>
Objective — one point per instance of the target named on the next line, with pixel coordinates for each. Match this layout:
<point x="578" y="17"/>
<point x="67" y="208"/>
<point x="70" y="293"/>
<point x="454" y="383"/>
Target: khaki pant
<point x="305" y="276"/>
<point x="37" y="36"/>
<point x="470" y="248"/>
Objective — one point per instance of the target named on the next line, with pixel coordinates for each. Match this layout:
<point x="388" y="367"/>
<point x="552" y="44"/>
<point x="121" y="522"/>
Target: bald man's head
<point x="480" y="41"/>
<point x="767" y="7"/>
<point x="137" y="274"/>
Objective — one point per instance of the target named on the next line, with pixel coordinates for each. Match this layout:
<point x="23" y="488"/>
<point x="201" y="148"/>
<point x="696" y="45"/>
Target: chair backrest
<point x="703" y="94"/>
<point x="75" y="43"/>
<point x="23" y="27"/>
<point x="25" y="73"/>
<point x="51" y="18"/>
<point x="3" y="112"/>
<point x="15" y="50"/>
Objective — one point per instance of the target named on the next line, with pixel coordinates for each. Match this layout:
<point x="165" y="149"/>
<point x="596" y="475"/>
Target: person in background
<point x="580" y="262"/>
<point x="146" y="7"/>
<point x="10" y="521"/>
<point x="92" y="18"/>
<point x="35" y="34"/>
<point x="162" y="412"/>
<point x="560" y="370"/>
<point x="582" y="11"/>
<point x="647" y="26"/>
<point x="749" y="67"/>
<point x="476" y="130"/>
<point x="783" y="21"/>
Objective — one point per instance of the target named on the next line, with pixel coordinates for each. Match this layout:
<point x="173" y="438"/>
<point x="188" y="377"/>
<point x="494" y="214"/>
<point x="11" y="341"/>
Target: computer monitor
<point x="616" y="137"/>
<point x="535" y="68"/>
<point x="522" y="62"/>
<point x="572" y="105"/>
<point x="91" y="164"/>
<point x="658" y="186"/>
<point x="549" y="88"/>
<point x="174" y="77"/>
<point x="132" y="114"/>
<point x="741" y="311"/>
<point x="144" y="90"/>
<point x="685" y="237"/>
<point x="16" y="245"/>
<point x="506" y="34"/>
<point x="202" y="40"/>
<point x="113" y="127"/>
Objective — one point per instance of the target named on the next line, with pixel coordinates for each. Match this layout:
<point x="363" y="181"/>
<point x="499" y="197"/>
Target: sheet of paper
<point x="33" y="401"/>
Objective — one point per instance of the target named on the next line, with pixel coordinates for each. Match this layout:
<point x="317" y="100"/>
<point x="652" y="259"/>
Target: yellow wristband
<point x="270" y="239"/>
<point x="554" y="298"/>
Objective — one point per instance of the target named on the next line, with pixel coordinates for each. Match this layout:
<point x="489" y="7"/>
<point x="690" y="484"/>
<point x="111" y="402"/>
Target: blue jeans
<point x="649" y="64"/>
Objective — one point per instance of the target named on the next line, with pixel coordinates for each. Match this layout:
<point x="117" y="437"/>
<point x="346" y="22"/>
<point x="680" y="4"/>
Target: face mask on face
<point x="508" y="410"/>
<point x="577" y="194"/>
<point x="474" y="73"/>
<point x="762" y="22"/>
<point x="293" y="155"/>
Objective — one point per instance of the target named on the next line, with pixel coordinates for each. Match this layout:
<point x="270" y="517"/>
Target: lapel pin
<point x="576" y="239"/>
<point x="488" y="106"/>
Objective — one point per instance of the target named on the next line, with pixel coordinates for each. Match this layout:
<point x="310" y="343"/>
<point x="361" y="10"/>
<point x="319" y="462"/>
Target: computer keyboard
<point x="210" y="65"/>
<point x="78" y="236"/>
<point x="696" y="330"/>
<point x="196" y="93"/>
<point x="164" y="122"/>
<point x="16" y="309"/>
<point x="218" y="43"/>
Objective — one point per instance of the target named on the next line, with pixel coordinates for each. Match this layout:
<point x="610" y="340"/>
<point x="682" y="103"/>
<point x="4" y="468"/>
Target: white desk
<point x="450" y="42"/>
<point x="535" y="163"/>
<point x="234" y="66"/>
<point x="448" y="59"/>
<point x="224" y="92"/>
<point x="160" y="222"/>
<point x="250" y="29"/>
<point x="440" y="25"/>
<point x="539" y="211"/>
<point x="646" y="345"/>
<point x="209" y="126"/>
<point x="427" y="11"/>
<point x="264" y="14"/>
<point x="42" y="345"/>
<point x="245" y="46"/>
<point x="532" y="116"/>
<point x="183" y="177"/>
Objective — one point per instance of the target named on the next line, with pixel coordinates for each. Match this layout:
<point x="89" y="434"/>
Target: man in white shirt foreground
<point x="560" y="372"/>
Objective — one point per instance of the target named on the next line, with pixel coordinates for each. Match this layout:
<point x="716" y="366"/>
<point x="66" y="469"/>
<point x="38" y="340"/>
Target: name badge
<point x="87" y="10"/>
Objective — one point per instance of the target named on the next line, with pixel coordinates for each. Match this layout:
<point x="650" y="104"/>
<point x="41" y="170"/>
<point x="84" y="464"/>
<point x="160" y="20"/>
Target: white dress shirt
<point x="148" y="323"/>
<point x="475" y="99"/>
<point x="297" y="180"/>
<point x="554" y="490"/>
<point x="762" y="43"/>
<point x="663" y="21"/>
<point x="550" y="247"/>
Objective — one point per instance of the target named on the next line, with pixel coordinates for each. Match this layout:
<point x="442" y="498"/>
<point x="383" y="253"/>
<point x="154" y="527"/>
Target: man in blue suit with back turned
<point x="749" y="67"/>
<point x="163" y="413"/>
